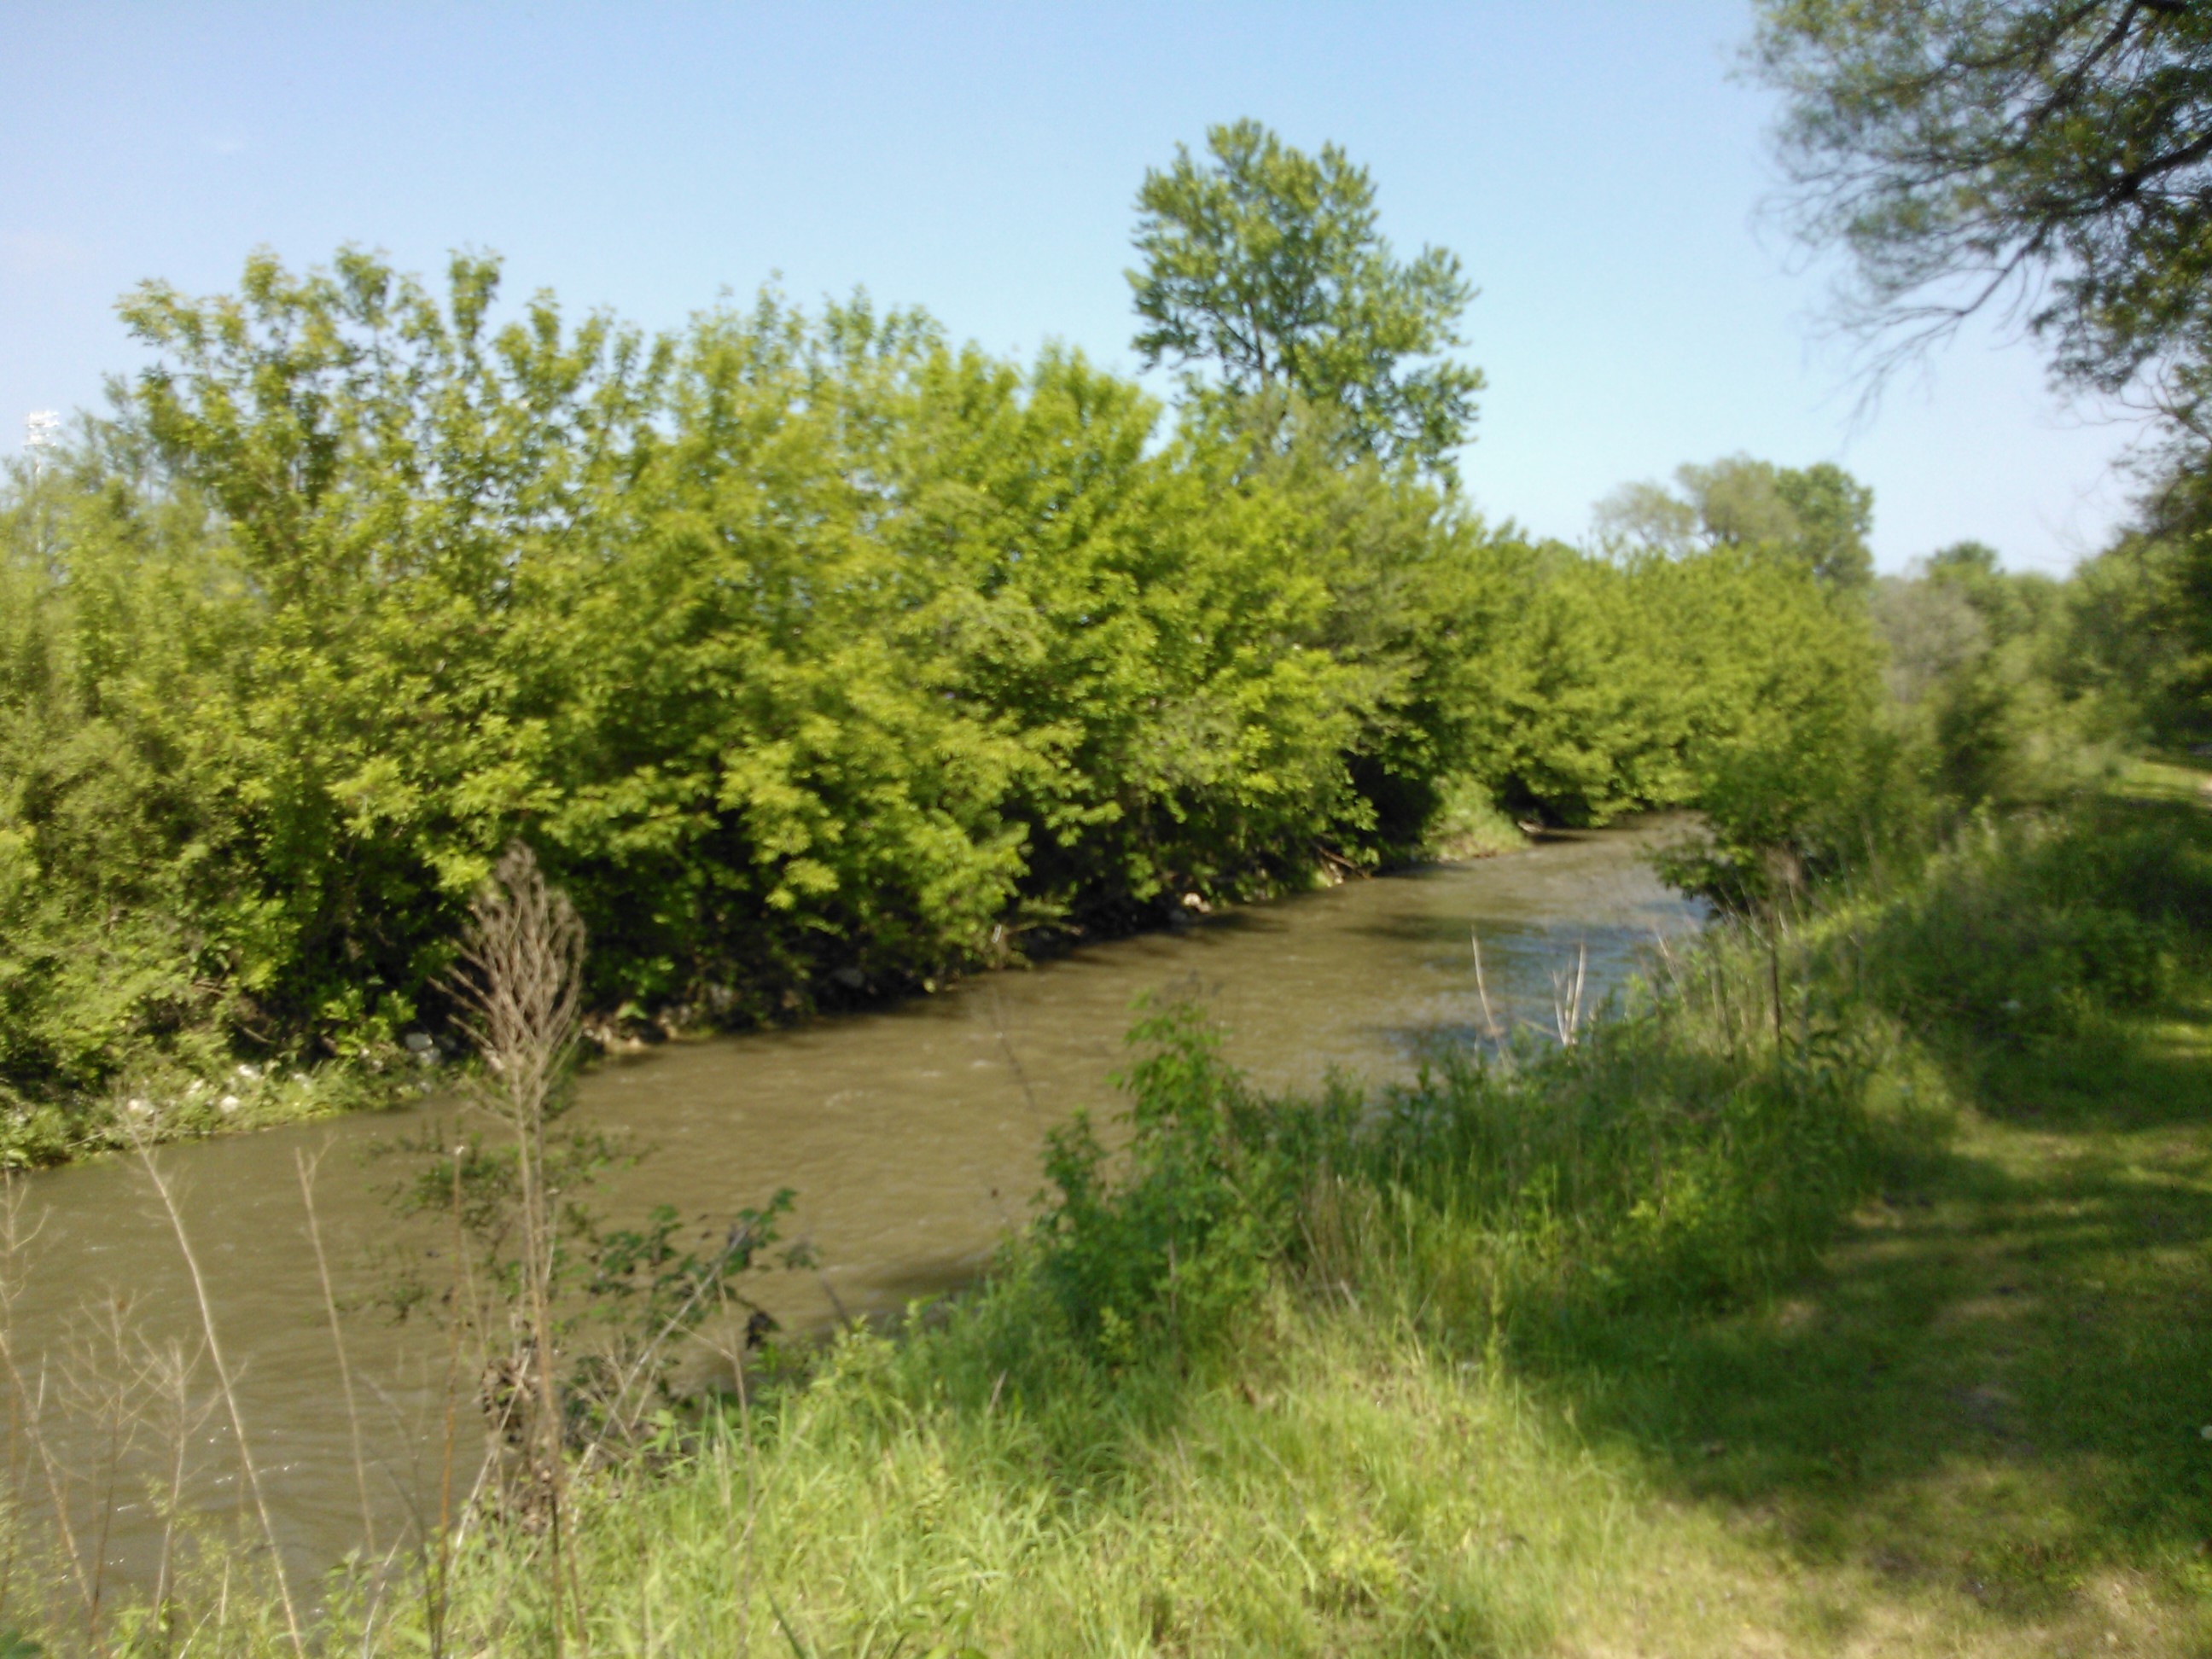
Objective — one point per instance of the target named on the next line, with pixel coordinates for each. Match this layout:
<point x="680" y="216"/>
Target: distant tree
<point x="1978" y="558"/>
<point x="1834" y="512"/>
<point x="2012" y="606"/>
<point x="1263" y="264"/>
<point x="1929" y="630"/>
<point x="1739" y="502"/>
<point x="1818" y="515"/>
<point x="2132" y="650"/>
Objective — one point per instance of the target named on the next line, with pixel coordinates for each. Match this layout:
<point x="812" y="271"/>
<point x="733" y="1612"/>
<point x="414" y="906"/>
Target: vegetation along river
<point x="912" y="1136"/>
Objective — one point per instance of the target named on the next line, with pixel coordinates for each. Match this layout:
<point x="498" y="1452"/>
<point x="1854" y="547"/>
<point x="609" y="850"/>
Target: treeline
<point x="1994" y="690"/>
<point x="2058" y="158"/>
<point x="817" y="655"/>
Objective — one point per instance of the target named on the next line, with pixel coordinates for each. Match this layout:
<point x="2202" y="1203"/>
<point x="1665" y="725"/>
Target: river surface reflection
<point x="911" y="1136"/>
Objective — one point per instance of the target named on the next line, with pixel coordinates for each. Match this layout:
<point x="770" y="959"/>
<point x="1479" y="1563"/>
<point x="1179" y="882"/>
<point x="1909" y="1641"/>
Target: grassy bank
<point x="232" y="1097"/>
<point x="1868" y="1321"/>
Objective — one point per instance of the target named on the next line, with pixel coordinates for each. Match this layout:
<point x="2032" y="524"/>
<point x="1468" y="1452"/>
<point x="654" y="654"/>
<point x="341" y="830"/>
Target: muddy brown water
<point x="911" y="1136"/>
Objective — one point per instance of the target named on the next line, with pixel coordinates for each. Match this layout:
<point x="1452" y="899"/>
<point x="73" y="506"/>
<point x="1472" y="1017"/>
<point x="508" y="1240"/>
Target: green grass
<point x="1979" y="1425"/>
<point x="1973" y="1427"/>
<point x="1470" y="824"/>
<point x="1897" y="1342"/>
<point x="2163" y="778"/>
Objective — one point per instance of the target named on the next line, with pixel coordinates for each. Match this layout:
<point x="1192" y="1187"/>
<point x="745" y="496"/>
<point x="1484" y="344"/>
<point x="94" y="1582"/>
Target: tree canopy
<point x="1264" y="265"/>
<point x="2054" y="152"/>
<point x="812" y="653"/>
<point x="1817" y="515"/>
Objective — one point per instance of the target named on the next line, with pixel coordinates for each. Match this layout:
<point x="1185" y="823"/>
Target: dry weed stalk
<point x="1491" y="1027"/>
<point x="103" y="1388"/>
<point x="520" y="990"/>
<point x="112" y="1388"/>
<point x="181" y="1417"/>
<point x="29" y="1444"/>
<point x="227" y="1389"/>
<point x="438" y="1571"/>
<point x="306" y="1167"/>
<point x="622" y="1400"/>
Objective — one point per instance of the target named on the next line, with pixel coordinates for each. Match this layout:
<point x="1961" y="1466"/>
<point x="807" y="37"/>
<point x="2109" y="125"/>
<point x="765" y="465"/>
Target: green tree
<point x="1264" y="264"/>
<point x="1819" y="516"/>
<point x="2058" y="152"/>
<point x="1987" y="694"/>
<point x="1834" y="512"/>
<point x="810" y="652"/>
<point x="2131" y="653"/>
<point x="1969" y="557"/>
<point x="2050" y="157"/>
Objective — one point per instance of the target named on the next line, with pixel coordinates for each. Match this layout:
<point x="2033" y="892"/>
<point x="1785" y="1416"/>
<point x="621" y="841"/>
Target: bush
<point x="1169" y="1251"/>
<point x="2037" y="928"/>
<point x="1673" y="1155"/>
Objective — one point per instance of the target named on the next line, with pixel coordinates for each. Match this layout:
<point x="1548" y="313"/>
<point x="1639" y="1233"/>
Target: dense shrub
<point x="1673" y="1154"/>
<point x="815" y="656"/>
<point x="1177" y="1241"/>
<point x="2037" y="927"/>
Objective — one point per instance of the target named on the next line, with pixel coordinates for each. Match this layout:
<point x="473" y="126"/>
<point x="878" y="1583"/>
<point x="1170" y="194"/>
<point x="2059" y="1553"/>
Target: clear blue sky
<point x="1593" y="164"/>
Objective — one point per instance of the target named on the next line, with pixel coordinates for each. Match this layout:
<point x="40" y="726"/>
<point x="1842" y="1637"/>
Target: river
<point x="911" y="1136"/>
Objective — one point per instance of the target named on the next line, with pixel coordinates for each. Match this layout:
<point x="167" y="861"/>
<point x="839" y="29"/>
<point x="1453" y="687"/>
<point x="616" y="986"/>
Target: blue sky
<point x="1595" y="166"/>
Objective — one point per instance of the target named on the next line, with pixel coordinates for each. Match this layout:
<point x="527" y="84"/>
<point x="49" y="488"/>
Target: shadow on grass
<point x="2000" y="1383"/>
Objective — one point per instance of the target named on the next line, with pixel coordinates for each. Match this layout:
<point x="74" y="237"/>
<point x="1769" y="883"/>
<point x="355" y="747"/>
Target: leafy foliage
<point x="2140" y="653"/>
<point x="2018" y="932"/>
<point x="816" y="657"/>
<point x="1817" y="515"/>
<point x="1959" y="149"/>
<point x="1265" y="265"/>
<point x="1177" y="1248"/>
<point x="2056" y="157"/>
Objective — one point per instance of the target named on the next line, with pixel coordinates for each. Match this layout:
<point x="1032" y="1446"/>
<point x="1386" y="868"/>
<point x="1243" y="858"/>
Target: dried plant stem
<point x="522" y="988"/>
<point x="741" y="1537"/>
<point x="1013" y="1060"/>
<point x="176" y="1378"/>
<point x="306" y="1167"/>
<point x="114" y="1412"/>
<point x="634" y="1375"/>
<point x="28" y="1403"/>
<point x="538" y="1274"/>
<point x="229" y="1392"/>
<point x="437" y="1557"/>
<point x="1481" y="990"/>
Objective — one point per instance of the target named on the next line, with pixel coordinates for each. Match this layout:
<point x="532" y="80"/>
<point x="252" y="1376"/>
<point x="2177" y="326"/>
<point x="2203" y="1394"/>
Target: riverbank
<point x="912" y="1134"/>
<point x="234" y="1097"/>
<point x="1877" y="1327"/>
<point x="235" y="1094"/>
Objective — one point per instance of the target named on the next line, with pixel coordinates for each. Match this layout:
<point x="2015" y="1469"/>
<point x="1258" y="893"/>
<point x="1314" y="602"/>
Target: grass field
<point x="1985" y="1423"/>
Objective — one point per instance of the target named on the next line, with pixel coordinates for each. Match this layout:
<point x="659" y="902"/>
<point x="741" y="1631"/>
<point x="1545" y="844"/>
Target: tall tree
<point x="1264" y="264"/>
<point x="2053" y="153"/>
